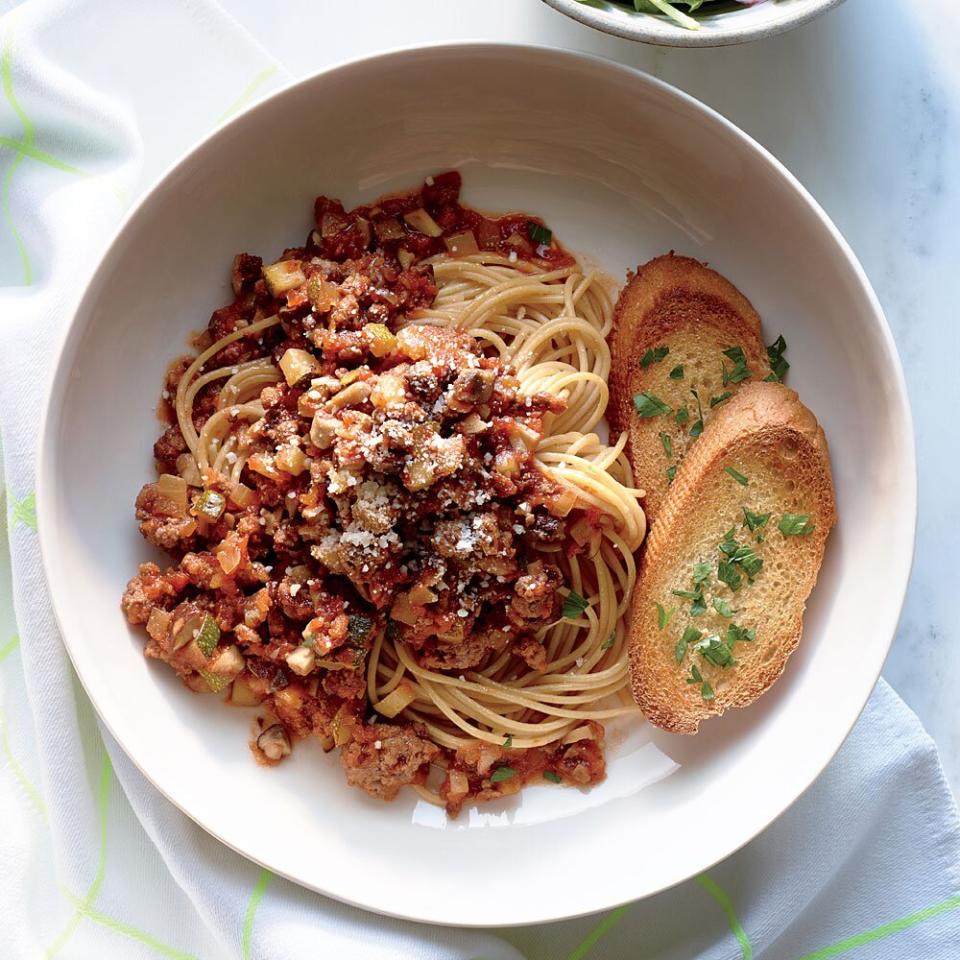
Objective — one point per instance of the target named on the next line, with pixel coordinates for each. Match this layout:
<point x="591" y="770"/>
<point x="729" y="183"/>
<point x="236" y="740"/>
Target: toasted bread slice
<point x="766" y="437"/>
<point x="677" y="303"/>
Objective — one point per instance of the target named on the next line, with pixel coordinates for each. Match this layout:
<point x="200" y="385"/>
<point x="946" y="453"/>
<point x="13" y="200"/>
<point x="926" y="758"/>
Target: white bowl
<point x="716" y="29"/>
<point x="623" y="167"/>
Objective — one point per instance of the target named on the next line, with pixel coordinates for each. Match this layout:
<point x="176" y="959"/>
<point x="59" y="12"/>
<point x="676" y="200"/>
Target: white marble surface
<point x="863" y="106"/>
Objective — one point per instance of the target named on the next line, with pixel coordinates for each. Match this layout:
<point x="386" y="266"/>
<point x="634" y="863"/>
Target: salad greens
<point x="671" y="8"/>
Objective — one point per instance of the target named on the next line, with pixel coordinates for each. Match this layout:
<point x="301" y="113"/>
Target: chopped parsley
<point x="699" y="605"/>
<point x="648" y="405"/>
<point x="728" y="573"/>
<point x="716" y="401"/>
<point x="552" y="777"/>
<point x="723" y="607"/>
<point x="701" y="572"/>
<point x="706" y="691"/>
<point x="690" y="635"/>
<point x="667" y="443"/>
<point x="677" y="372"/>
<point x="538" y="233"/>
<point x="740" y="553"/>
<point x="736" y="634"/>
<point x="697" y="427"/>
<point x="502" y="773"/>
<point x="664" y="616"/>
<point x="796" y="524"/>
<point x="755" y="520"/>
<point x="573" y="605"/>
<point x="609" y="642"/>
<point x="737" y="475"/>
<point x="671" y="473"/>
<point x="740" y="369"/>
<point x="778" y="363"/>
<point x="508" y="742"/>
<point x="715" y="651"/>
<point x="683" y="415"/>
<point x="653" y="355"/>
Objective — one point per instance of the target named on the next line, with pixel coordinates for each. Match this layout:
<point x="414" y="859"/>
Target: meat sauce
<point x="390" y="487"/>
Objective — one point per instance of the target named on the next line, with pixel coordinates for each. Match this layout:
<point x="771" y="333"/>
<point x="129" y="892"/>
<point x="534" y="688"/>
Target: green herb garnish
<point x="573" y="605"/>
<point x="667" y="443"/>
<point x="609" y="642"/>
<point x="740" y="369"/>
<point x="728" y="573"/>
<point x="706" y="691"/>
<point x="796" y="524"/>
<point x="508" y="742"/>
<point x="671" y="473"/>
<point x="697" y="427"/>
<point x="715" y="651"/>
<point x="723" y="607"/>
<point x="502" y="773"/>
<point x="778" y="364"/>
<point x="538" y="233"/>
<point x="677" y="372"/>
<point x="755" y="520"/>
<point x="701" y="572"/>
<point x="653" y="355"/>
<point x="664" y="616"/>
<point x="690" y="635"/>
<point x="552" y="777"/>
<point x="716" y="401"/>
<point x="737" y="475"/>
<point x="648" y="405"/>
<point x="736" y="634"/>
<point x="683" y="415"/>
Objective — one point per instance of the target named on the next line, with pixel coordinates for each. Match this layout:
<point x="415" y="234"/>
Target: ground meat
<point x="582" y="762"/>
<point x="536" y="597"/>
<point x="380" y="758"/>
<point x="202" y="568"/>
<point x="149" y="589"/>
<point x="473" y="650"/>
<point x="166" y="450"/>
<point x="294" y="599"/>
<point x="162" y="521"/>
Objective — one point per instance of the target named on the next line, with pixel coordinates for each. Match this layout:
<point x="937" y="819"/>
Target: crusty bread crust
<point x="767" y="435"/>
<point x="679" y="303"/>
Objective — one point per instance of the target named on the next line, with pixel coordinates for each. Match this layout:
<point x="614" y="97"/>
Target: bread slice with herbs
<point x="731" y="560"/>
<point x="684" y="341"/>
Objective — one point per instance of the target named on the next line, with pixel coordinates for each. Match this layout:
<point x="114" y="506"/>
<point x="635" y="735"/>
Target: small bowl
<point x="720" y="29"/>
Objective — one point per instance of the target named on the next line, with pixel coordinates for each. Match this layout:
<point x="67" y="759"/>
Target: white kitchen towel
<point x="96" y="97"/>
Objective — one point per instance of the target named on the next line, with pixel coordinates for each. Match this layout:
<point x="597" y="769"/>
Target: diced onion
<point x="580" y="733"/>
<point x="174" y="489"/>
<point x="422" y="222"/>
<point x="398" y="699"/>
<point x="458" y="784"/>
<point x="406" y="258"/>
<point x="243" y="695"/>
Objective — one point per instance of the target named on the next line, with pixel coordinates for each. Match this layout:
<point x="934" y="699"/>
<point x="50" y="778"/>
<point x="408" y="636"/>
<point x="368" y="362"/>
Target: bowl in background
<point x="731" y="24"/>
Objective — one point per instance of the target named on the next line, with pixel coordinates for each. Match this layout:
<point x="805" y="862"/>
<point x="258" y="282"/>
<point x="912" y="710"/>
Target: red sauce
<point x="341" y="233"/>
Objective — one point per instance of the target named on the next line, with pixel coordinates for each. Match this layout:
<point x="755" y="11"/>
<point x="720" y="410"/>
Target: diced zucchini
<point x="215" y="681"/>
<point x="283" y="276"/>
<point x="297" y="364"/>
<point x="208" y="636"/>
<point x="209" y="504"/>
<point x="380" y="339"/>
